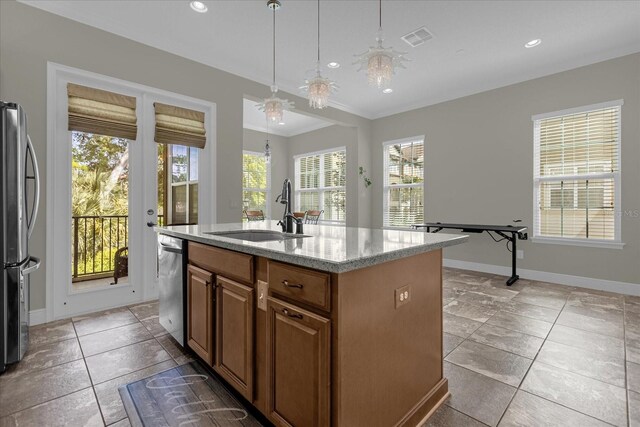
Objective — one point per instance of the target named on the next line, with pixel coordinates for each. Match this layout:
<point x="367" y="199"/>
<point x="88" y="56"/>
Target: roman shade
<point x="181" y="126"/>
<point x="102" y="112"/>
<point x="577" y="173"/>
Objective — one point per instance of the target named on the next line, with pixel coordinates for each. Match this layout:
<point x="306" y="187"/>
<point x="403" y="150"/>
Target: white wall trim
<point x="37" y="317"/>
<point x="544" y="276"/>
<point x="576" y="110"/>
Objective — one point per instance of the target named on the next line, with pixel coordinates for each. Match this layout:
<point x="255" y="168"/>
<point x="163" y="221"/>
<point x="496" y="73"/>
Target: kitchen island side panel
<point x="387" y="359"/>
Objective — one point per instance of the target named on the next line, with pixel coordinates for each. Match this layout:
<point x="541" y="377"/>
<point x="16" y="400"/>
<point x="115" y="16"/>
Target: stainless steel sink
<point x="257" y="235"/>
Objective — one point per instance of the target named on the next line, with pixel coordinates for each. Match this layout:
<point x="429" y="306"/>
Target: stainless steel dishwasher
<point x="171" y="275"/>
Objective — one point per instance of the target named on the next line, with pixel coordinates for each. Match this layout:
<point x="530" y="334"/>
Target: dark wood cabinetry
<point x="234" y="338"/>
<point x="298" y="366"/>
<point x="200" y="304"/>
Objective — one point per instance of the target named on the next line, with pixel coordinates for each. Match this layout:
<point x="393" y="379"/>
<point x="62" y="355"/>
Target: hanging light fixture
<point x="319" y="88"/>
<point x="267" y="151"/>
<point x="379" y="61"/>
<point x="273" y="106"/>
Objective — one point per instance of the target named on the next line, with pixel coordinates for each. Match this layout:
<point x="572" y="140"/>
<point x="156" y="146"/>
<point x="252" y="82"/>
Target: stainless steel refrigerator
<point x="19" y="196"/>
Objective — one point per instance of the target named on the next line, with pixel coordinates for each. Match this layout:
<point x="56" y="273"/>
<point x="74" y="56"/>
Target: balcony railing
<point x="95" y="240"/>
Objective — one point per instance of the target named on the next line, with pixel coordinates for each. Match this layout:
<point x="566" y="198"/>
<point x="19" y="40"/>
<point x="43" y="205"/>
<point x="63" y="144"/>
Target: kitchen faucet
<point x="288" y="218"/>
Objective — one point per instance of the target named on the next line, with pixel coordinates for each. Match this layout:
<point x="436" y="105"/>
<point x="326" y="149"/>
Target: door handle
<point x="151" y="224"/>
<point x="290" y="314"/>
<point x="33" y="267"/>
<point x="36" y="197"/>
<point x="289" y="285"/>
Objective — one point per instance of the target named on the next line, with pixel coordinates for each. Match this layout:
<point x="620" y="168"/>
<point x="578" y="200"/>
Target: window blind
<point x="181" y="126"/>
<point x="101" y="112"/>
<point x="321" y="184"/>
<point x="577" y="174"/>
<point x="403" y="185"/>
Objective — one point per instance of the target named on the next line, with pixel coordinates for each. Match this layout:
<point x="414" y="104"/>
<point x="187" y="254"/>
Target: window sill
<point x="579" y="242"/>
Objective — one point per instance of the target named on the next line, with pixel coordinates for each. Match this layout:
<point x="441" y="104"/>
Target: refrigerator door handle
<point x="30" y="269"/>
<point x="36" y="197"/>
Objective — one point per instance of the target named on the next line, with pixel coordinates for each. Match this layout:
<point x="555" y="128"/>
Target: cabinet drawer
<point x="234" y="265"/>
<point x="307" y="286"/>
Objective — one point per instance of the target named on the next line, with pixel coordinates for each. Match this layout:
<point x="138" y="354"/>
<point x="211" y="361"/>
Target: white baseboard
<point x="37" y="317"/>
<point x="544" y="276"/>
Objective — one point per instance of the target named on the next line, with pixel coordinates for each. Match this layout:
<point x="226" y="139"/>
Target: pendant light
<point x="273" y="106"/>
<point x="380" y="62"/>
<point x="318" y="88"/>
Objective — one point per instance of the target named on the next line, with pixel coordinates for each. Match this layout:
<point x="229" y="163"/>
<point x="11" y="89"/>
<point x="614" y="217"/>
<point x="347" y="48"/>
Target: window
<point x="183" y="195"/>
<point x="256" y="183"/>
<point x="577" y="174"/>
<point x="403" y="182"/>
<point x="321" y="184"/>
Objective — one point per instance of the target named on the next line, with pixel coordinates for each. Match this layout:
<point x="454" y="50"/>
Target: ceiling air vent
<point x="417" y="37"/>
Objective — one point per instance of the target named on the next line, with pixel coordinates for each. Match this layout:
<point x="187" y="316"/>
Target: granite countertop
<point x="335" y="249"/>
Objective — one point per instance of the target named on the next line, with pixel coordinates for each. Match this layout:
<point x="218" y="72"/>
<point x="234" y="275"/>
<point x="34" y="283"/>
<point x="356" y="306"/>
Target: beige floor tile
<point x="588" y="341"/>
<point x="109" y="398"/>
<point x="124" y="360"/>
<point x="145" y="310"/>
<point x="476" y="395"/>
<point x="533" y="311"/>
<point x="633" y="377"/>
<point x="600" y="400"/>
<point x="45" y="356"/>
<point x="121" y="423"/>
<point x="634" y="409"/>
<point x="533" y="411"/>
<point x="97" y="322"/>
<point x="75" y="409"/>
<point x="459" y="326"/>
<point x="23" y="391"/>
<point x="526" y="325"/>
<point x="469" y="311"/>
<point x="154" y="327"/>
<point x="599" y="321"/>
<point x="113" y="338"/>
<point x="508" y="340"/>
<point x="632" y="341"/>
<point x="450" y="342"/>
<point x="175" y="350"/>
<point x="599" y="366"/>
<point x="500" y="365"/>
<point x="446" y="416"/>
<point x="587" y="299"/>
<point x="542" y="297"/>
<point x="51" y="332"/>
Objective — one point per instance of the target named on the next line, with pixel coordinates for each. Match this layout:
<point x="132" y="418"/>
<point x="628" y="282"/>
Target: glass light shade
<point x="318" y="90"/>
<point x="267" y="152"/>
<point x="274" y="108"/>
<point x="381" y="63"/>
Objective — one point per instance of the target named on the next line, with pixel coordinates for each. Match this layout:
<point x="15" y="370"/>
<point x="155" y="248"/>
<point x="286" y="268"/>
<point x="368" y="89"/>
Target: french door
<point x="105" y="194"/>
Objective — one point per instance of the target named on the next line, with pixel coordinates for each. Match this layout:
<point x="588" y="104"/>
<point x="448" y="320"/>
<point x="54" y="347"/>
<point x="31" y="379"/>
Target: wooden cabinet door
<point x="298" y="366"/>
<point x="234" y="338"/>
<point x="200" y="305"/>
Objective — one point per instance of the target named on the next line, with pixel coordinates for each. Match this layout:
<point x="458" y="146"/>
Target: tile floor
<point x="538" y="354"/>
<point x="531" y="355"/>
<point x="71" y="373"/>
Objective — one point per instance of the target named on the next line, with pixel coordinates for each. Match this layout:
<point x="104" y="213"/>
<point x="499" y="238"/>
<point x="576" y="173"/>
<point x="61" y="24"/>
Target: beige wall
<point x="479" y="165"/>
<point x="30" y="37"/>
<point x="255" y="141"/>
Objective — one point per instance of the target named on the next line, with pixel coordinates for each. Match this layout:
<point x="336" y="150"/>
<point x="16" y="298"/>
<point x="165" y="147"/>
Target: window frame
<point x="616" y="242"/>
<point x="321" y="189"/>
<point x="187" y="184"/>
<point x="267" y="213"/>
<point x="385" y="183"/>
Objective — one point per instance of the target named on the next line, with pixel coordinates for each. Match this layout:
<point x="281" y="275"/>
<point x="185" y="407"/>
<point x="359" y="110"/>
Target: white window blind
<point x="321" y="184"/>
<point x="256" y="183"/>
<point x="403" y="182"/>
<point x="577" y="173"/>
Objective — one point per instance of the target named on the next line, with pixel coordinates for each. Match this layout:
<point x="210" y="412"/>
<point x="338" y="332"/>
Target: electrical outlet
<point x="402" y="296"/>
<point x="520" y="254"/>
<point x="263" y="290"/>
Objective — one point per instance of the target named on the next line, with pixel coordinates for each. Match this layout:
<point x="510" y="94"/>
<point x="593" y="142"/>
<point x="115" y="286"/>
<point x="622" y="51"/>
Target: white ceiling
<point x="294" y="123"/>
<point x="477" y="45"/>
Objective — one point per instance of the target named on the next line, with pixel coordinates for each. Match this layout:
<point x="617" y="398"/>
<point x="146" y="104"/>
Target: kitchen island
<point x="341" y="327"/>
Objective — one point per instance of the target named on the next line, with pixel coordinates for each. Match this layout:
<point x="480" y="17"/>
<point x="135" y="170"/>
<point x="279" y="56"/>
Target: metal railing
<point x="95" y="240"/>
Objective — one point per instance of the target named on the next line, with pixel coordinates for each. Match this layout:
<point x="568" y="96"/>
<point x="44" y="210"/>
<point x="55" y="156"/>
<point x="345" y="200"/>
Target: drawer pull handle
<point x="294" y="315"/>
<point x="289" y="285"/>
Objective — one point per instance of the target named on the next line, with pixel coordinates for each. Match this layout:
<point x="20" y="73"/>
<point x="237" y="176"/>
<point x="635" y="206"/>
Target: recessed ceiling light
<point x="199" y="6"/>
<point x="281" y="123"/>
<point x="333" y="65"/>
<point x="533" y="43"/>
<point x="387" y="90"/>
